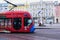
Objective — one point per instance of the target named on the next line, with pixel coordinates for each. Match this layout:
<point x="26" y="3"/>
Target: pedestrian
<point x="50" y="22"/>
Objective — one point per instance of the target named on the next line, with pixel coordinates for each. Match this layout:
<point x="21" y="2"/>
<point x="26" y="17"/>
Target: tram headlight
<point x="29" y="21"/>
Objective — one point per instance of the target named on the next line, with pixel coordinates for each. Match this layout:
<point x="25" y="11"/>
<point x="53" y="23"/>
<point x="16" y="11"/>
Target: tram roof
<point x="15" y="14"/>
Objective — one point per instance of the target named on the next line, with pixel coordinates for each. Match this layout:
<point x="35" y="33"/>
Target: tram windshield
<point x="27" y="21"/>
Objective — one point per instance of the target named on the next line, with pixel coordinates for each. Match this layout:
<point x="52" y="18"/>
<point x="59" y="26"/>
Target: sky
<point x="24" y="1"/>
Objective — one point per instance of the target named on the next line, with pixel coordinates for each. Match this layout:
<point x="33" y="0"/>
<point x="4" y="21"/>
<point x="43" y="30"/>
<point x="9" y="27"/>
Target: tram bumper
<point x="32" y="29"/>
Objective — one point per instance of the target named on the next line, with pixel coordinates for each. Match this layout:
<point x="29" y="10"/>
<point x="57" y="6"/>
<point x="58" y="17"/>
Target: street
<point x="39" y="34"/>
<point x="24" y="16"/>
<point x="48" y="26"/>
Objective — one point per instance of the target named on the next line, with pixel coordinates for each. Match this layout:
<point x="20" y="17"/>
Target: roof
<point x="16" y="13"/>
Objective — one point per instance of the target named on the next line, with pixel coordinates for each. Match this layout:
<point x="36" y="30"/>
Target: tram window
<point x="4" y="22"/>
<point x="1" y="23"/>
<point x="17" y="22"/>
<point x="27" y="21"/>
<point x="7" y="22"/>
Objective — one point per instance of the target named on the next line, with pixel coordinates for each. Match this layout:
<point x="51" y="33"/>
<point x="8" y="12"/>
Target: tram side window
<point x="18" y="21"/>
<point x="8" y="22"/>
<point x="5" y="22"/>
<point x="1" y="23"/>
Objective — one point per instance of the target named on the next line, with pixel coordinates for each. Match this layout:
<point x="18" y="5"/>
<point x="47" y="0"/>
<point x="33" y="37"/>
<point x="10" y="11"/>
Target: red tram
<point x="16" y="21"/>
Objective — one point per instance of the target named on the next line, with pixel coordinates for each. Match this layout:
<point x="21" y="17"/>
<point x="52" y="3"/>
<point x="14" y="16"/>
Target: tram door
<point x="17" y="23"/>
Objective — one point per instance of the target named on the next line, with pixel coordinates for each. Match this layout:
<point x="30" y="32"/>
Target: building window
<point x="0" y="8"/>
<point x="5" y="8"/>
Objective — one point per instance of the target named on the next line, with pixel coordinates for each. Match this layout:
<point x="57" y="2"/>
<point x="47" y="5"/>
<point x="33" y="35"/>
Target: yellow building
<point x="24" y="7"/>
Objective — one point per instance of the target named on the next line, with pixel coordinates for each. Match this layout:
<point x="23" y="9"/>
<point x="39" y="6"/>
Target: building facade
<point x="57" y="13"/>
<point x="43" y="11"/>
<point x="3" y="7"/>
